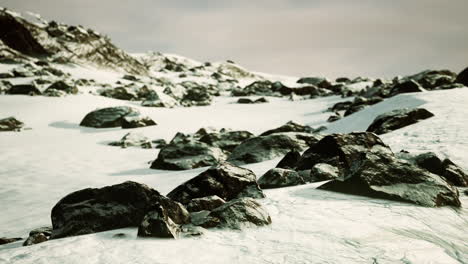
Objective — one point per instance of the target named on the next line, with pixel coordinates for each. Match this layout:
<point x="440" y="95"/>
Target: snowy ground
<point x="56" y="157"/>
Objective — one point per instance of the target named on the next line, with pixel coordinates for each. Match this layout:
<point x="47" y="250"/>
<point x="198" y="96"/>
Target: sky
<point x="332" y="38"/>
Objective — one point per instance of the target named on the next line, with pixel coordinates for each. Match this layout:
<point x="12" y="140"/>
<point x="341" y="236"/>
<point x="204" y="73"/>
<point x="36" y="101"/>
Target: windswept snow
<point x="56" y="156"/>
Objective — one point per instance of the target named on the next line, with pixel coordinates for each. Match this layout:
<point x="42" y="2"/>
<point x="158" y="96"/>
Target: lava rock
<point x="10" y="124"/>
<point x="289" y="160"/>
<point x="268" y="147"/>
<point x="94" y="210"/>
<point x="224" y="180"/>
<point x="205" y="203"/>
<point x="397" y="119"/>
<point x="109" y="117"/>
<point x="277" y="178"/>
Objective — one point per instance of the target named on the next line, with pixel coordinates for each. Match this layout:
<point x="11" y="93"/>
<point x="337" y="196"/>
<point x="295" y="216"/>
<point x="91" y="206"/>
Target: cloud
<point x="296" y="37"/>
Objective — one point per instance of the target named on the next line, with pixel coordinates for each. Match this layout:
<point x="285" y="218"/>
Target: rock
<point x="187" y="155"/>
<point x="47" y="231"/>
<point x="224" y="180"/>
<point x="94" y="210"/>
<point x="63" y="86"/>
<point x="119" y="235"/>
<point x="406" y="87"/>
<point x="54" y="93"/>
<point x="245" y="101"/>
<point x="261" y="100"/>
<point x="120" y="93"/>
<point x="277" y="178"/>
<point x="341" y="106"/>
<point x="323" y="172"/>
<point x="109" y="117"/>
<point x="340" y="150"/>
<point x="10" y="124"/>
<point x="268" y="147"/>
<point x="6" y="75"/>
<point x="137" y="121"/>
<point x="5" y="240"/>
<point x="317" y="81"/>
<point x="462" y="77"/>
<point x="265" y="88"/>
<point x="444" y="168"/>
<point x="35" y="239"/>
<point x="159" y="143"/>
<point x="157" y="223"/>
<point x="205" y="203"/>
<point x="196" y="95"/>
<point x="289" y="160"/>
<point x="129" y="77"/>
<point x="334" y="118"/>
<point x="133" y="139"/>
<point x="342" y="80"/>
<point x="290" y="126"/>
<point x="380" y="175"/>
<point x="396" y="119"/>
<point x="239" y="213"/>
<point x="27" y="89"/>
<point x="157" y="99"/>
<point x="226" y="140"/>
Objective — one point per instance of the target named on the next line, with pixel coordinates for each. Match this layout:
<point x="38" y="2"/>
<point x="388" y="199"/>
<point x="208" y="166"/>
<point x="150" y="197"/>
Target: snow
<point x="57" y="156"/>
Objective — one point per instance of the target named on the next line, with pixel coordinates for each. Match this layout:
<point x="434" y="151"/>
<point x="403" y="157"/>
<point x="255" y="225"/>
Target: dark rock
<point x="334" y="118"/>
<point x="261" y="100"/>
<point x="343" y="80"/>
<point x="120" y="235"/>
<point x="397" y="119"/>
<point x="239" y="213"/>
<point x="265" y="88"/>
<point x="196" y="95"/>
<point x="205" y="203"/>
<point x="10" y="124"/>
<point x="27" y="89"/>
<point x="323" y="172"/>
<point x="380" y="175"/>
<point x="63" y="86"/>
<point x="120" y="93"/>
<point x="289" y="160"/>
<point x="133" y="139"/>
<point x="353" y="109"/>
<point x="94" y="210"/>
<point x="47" y="231"/>
<point x="5" y="240"/>
<point x="290" y="126"/>
<point x="129" y="77"/>
<point x="277" y="178"/>
<point x="268" y="147"/>
<point x="245" y="101"/>
<point x="137" y="121"/>
<point x="6" y="75"/>
<point x="224" y="180"/>
<point x="317" y="81"/>
<point x="226" y="140"/>
<point x="159" y="143"/>
<point x="406" y="87"/>
<point x="109" y="117"/>
<point x="341" y="106"/>
<point x="340" y="150"/>
<point x="462" y="77"/>
<point x="157" y="223"/>
<point x="35" y="239"/>
<point x="444" y="168"/>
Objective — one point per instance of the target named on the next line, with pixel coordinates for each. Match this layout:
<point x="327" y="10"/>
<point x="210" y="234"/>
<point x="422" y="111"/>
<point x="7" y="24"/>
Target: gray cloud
<point x="296" y="37"/>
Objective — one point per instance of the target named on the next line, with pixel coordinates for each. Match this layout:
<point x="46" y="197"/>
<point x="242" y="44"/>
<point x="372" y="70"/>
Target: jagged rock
<point x="133" y="139"/>
<point x="237" y="214"/>
<point x="381" y="175"/>
<point x="323" y="172"/>
<point x="205" y="203"/>
<point x="130" y="121"/>
<point x="109" y="117"/>
<point x="396" y="119"/>
<point x="27" y="89"/>
<point x="340" y="150"/>
<point x="277" y="178"/>
<point x="290" y="126"/>
<point x="94" y="210"/>
<point x="226" y="140"/>
<point x="5" y="240"/>
<point x="462" y="77"/>
<point x="63" y="86"/>
<point x="224" y="180"/>
<point x="157" y="223"/>
<point x="406" y="87"/>
<point x="268" y="147"/>
<point x="187" y="155"/>
<point x="444" y="168"/>
<point x="289" y="160"/>
<point x="316" y="81"/>
<point x="10" y="124"/>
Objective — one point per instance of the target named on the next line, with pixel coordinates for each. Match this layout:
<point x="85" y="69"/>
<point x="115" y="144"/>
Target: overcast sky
<point x="294" y="37"/>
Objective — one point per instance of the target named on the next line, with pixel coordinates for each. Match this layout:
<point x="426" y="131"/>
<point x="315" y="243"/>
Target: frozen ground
<point x="56" y="157"/>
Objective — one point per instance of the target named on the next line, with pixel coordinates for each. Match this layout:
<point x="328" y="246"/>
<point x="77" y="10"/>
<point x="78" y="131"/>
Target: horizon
<point x="360" y="39"/>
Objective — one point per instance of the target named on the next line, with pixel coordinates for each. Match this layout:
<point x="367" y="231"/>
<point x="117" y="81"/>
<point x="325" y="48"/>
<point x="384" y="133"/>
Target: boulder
<point x="224" y="180"/>
<point x="196" y="95"/>
<point x="290" y="126"/>
<point x="277" y="178"/>
<point x="94" y="210"/>
<point x="205" y="203"/>
<point x="462" y="77"/>
<point x="38" y="235"/>
<point x="109" y="117"/>
<point x="121" y="93"/>
<point x="10" y="124"/>
<point x="63" y="86"/>
<point x="396" y="119"/>
<point x="133" y="139"/>
<point x="226" y="140"/>
<point x="406" y="87"/>
<point x="157" y="223"/>
<point x="380" y="175"/>
<point x="5" y="240"/>
<point x="26" y="89"/>
<point x="323" y="172"/>
<point x="444" y="168"/>
<point x="268" y="147"/>
<point x="289" y="160"/>
<point x="245" y="101"/>
<point x="185" y="155"/>
<point x="130" y="121"/>
<point x="238" y="214"/>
